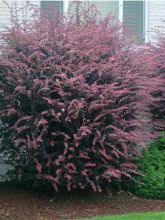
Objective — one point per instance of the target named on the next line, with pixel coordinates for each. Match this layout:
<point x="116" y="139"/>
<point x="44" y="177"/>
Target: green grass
<point x="133" y="216"/>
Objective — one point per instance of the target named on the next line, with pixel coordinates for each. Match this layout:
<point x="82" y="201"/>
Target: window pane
<point x="104" y="7"/>
<point x="134" y="16"/>
<point x="107" y="7"/>
<point x="73" y="6"/>
<point x="48" y="6"/>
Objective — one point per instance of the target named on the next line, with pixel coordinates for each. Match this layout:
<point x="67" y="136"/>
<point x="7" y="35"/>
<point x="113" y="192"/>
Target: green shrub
<point x="151" y="184"/>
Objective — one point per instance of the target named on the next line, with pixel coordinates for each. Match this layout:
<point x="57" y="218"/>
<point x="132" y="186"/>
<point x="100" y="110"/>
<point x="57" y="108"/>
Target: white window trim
<point x="121" y="10"/>
<point x="66" y="6"/>
<point x="146" y="20"/>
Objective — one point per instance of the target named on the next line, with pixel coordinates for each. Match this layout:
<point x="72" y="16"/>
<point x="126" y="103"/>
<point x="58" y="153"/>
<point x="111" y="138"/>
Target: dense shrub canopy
<point x="157" y="54"/>
<point x="74" y="105"/>
<point x="151" y="184"/>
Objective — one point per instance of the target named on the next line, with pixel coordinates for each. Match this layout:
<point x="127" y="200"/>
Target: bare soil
<point x="19" y="204"/>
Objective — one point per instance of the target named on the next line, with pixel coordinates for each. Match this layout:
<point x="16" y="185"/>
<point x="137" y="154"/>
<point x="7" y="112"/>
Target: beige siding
<point x="5" y="10"/>
<point x="156" y="15"/>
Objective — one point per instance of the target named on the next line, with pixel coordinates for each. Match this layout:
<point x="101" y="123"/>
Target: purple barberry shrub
<point x="73" y="100"/>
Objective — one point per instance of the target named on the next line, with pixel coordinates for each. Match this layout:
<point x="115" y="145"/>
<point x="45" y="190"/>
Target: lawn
<point x="145" y="216"/>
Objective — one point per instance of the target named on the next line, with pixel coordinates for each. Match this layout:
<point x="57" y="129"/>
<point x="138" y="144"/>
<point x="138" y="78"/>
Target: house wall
<point x="7" y="5"/>
<point x="104" y="7"/>
<point x="156" y="15"/>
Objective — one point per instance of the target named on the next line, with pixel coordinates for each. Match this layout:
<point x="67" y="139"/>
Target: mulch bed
<point x="18" y="204"/>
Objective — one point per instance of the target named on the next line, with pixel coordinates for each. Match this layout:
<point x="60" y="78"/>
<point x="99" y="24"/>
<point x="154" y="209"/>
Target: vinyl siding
<point x="156" y="18"/>
<point x="5" y="10"/>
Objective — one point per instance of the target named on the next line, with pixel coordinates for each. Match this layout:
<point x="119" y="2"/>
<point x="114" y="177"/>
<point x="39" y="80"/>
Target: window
<point x="48" y="6"/>
<point x="131" y="12"/>
<point x="107" y="7"/>
<point x="104" y="7"/>
<point x="133" y="16"/>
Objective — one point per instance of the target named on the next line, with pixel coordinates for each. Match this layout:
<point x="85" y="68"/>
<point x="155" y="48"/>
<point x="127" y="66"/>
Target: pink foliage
<point x="157" y="58"/>
<point x="74" y="100"/>
<point x="150" y="64"/>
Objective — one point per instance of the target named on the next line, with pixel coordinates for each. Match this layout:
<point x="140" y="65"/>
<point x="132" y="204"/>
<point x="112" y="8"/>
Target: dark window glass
<point x="49" y="6"/>
<point x="133" y="13"/>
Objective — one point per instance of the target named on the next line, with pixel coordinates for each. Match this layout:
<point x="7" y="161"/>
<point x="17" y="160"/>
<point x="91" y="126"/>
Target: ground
<point x="19" y="204"/>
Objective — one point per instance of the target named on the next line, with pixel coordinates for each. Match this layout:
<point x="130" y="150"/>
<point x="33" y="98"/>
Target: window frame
<point x="120" y="14"/>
